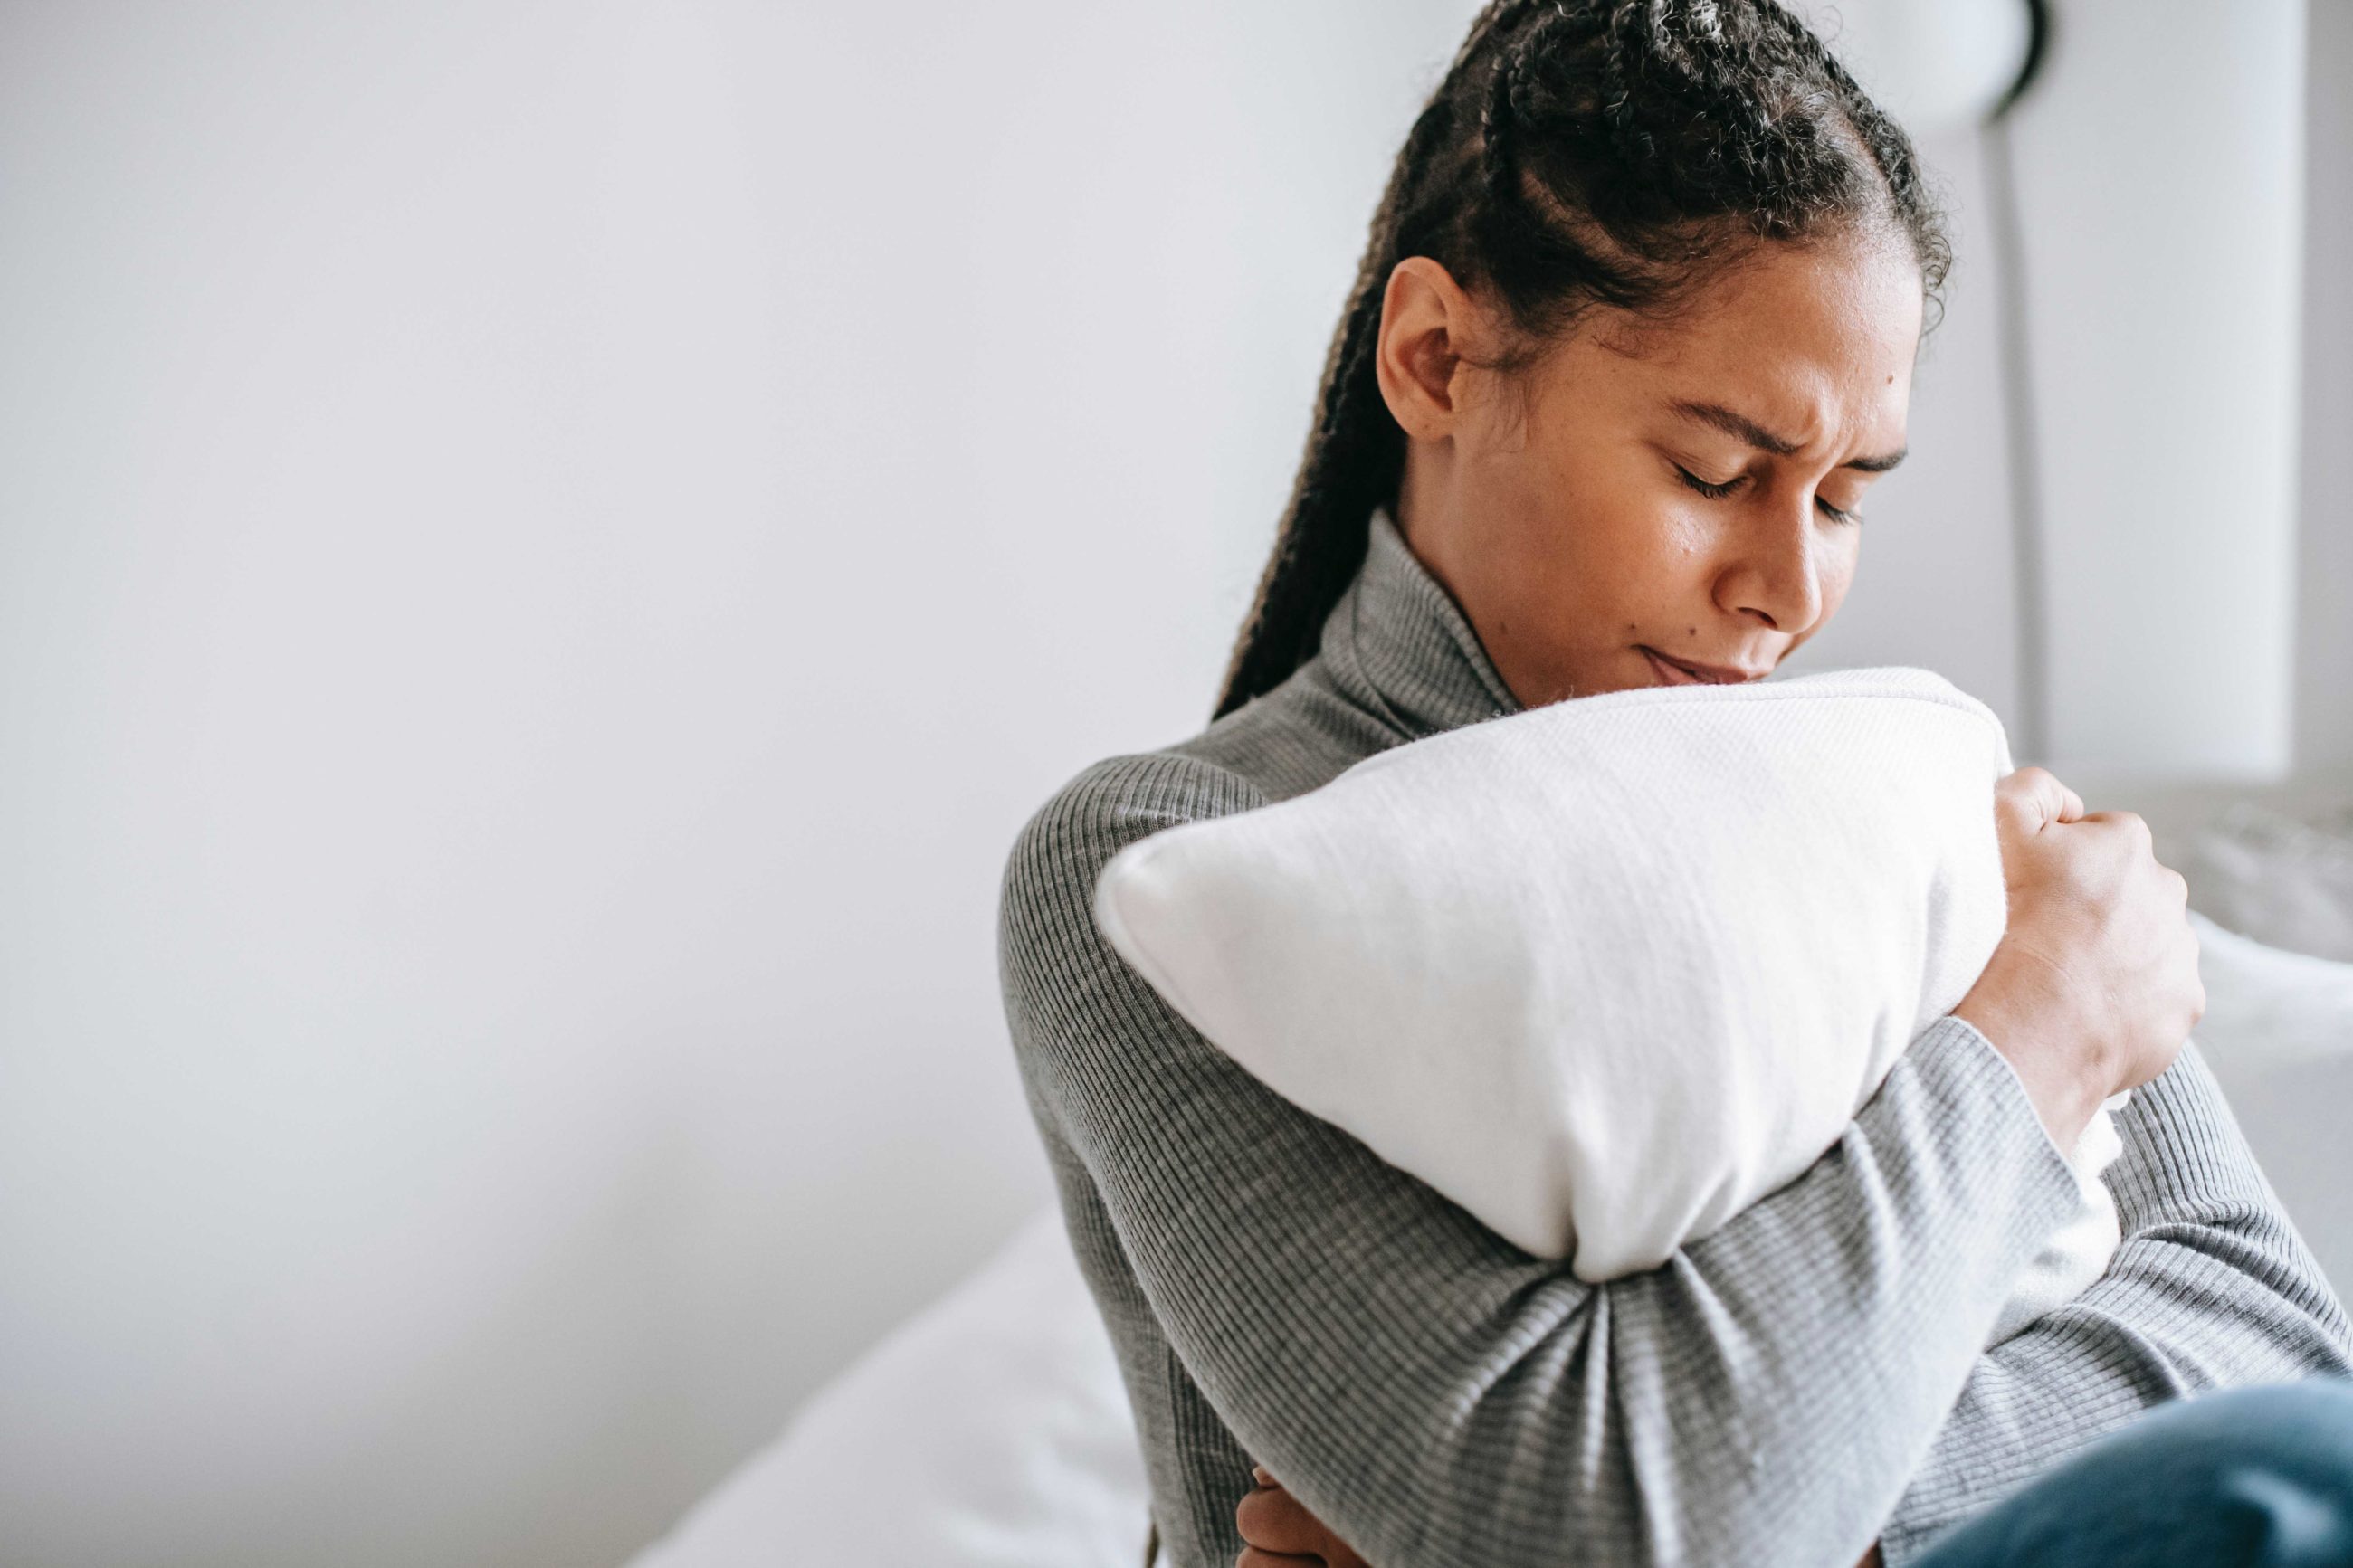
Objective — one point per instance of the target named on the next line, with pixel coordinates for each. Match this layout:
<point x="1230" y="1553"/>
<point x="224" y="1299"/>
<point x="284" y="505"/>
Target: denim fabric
<point x="2254" y="1478"/>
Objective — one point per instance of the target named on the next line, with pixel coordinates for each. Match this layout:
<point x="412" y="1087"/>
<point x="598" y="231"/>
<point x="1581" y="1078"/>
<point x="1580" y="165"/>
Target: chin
<point x="1570" y="688"/>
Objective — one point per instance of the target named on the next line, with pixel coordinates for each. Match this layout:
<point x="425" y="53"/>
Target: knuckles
<point x="2099" y="895"/>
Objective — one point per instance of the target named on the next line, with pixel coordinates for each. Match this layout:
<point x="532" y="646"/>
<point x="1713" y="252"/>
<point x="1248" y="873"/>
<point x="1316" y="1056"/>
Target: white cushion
<point x="1609" y="971"/>
<point x="2266" y="1006"/>
<point x="2278" y="1032"/>
<point x="989" y="1431"/>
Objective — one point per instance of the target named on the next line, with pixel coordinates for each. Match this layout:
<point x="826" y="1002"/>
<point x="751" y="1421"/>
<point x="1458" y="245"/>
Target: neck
<point x="1429" y="518"/>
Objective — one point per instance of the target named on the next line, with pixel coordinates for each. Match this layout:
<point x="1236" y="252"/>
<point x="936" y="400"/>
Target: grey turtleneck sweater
<point x="1806" y="1380"/>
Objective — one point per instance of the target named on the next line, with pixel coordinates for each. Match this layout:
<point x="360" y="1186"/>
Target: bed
<point x="990" y="1430"/>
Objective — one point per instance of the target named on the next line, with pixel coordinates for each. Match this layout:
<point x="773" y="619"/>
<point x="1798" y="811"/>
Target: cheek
<point x="1610" y="499"/>
<point x="1652" y="549"/>
<point x="1582" y="536"/>
<point x="1593" y="548"/>
<point x="1625" y="557"/>
<point x="1838" y="568"/>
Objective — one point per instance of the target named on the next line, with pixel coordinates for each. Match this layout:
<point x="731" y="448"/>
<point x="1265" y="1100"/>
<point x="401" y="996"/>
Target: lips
<point x="1683" y="672"/>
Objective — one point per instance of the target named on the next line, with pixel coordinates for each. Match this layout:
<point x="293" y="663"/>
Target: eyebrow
<point x="1743" y="428"/>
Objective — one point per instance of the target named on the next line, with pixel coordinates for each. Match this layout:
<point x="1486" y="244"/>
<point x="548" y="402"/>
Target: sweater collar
<point x="1397" y="645"/>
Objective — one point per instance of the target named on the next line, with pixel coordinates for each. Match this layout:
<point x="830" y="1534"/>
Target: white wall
<point x="2160" y="174"/>
<point x="545" y="551"/>
<point x="2197" y="605"/>
<point x="2325" y="558"/>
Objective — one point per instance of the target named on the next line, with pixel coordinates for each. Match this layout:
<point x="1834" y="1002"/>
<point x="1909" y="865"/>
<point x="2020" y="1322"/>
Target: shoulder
<point x="1051" y="874"/>
<point x="1292" y="739"/>
<point x="1068" y="995"/>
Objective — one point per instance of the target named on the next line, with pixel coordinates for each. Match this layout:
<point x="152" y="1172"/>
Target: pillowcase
<point x="990" y="1430"/>
<point x="2270" y="1006"/>
<point x="1605" y="972"/>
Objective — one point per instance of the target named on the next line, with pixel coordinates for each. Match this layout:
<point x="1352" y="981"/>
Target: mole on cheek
<point x="1692" y="633"/>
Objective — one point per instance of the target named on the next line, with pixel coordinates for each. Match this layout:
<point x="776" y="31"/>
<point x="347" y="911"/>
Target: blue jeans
<point x="2255" y="1477"/>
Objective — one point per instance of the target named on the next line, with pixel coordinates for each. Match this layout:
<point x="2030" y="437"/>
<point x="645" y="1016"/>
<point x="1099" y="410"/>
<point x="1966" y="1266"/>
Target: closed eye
<point x="1706" y="489"/>
<point x="1836" y="514"/>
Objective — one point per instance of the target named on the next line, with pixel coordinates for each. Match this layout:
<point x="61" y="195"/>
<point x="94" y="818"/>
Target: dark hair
<point x="1578" y="153"/>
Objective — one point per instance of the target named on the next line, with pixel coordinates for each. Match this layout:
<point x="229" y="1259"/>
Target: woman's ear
<point x="1429" y="326"/>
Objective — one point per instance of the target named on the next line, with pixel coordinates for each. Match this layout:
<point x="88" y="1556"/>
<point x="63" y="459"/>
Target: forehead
<point x="1815" y="341"/>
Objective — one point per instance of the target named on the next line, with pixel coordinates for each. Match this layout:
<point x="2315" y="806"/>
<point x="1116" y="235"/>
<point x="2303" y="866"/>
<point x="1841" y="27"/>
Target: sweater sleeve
<point x="1439" y="1397"/>
<point x="2210" y="1287"/>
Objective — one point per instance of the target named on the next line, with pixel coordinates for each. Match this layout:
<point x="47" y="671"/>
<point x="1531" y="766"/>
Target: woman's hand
<point x="1278" y="1531"/>
<point x="2095" y="986"/>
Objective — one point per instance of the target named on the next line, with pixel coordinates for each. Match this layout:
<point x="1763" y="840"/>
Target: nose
<point x="1775" y="576"/>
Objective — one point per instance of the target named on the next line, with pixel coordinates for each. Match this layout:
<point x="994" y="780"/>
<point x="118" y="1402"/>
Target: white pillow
<point x="2268" y="1007"/>
<point x="2278" y="1032"/>
<point x="991" y="1430"/>
<point x="1609" y="971"/>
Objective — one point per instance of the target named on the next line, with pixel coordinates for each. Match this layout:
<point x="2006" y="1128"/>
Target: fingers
<point x="1277" y="1529"/>
<point x="2033" y="798"/>
<point x="1274" y="1521"/>
<point x="2132" y="825"/>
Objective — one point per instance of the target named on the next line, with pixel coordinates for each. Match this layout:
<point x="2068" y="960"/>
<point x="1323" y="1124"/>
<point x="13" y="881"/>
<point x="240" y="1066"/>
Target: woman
<point x="1633" y="338"/>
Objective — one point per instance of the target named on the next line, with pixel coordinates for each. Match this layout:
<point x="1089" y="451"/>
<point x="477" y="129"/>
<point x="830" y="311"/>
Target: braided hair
<point x="1579" y="153"/>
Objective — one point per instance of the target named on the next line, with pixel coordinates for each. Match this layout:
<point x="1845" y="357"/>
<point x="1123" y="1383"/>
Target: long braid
<point x="1578" y="154"/>
<point x="1354" y="449"/>
<point x="1350" y="461"/>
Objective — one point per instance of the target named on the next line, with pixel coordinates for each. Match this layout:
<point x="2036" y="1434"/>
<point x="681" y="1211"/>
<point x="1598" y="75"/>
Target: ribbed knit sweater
<point x="1806" y="1380"/>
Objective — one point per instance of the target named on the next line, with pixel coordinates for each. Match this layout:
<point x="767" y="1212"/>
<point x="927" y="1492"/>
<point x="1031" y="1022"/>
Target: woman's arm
<point x="1442" y="1398"/>
<point x="2212" y="1288"/>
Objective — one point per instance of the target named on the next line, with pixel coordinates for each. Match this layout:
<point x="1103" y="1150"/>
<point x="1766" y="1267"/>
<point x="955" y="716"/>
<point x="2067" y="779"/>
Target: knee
<point x="2273" y="1467"/>
<point x="2307" y="1423"/>
<point x="2255" y="1477"/>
